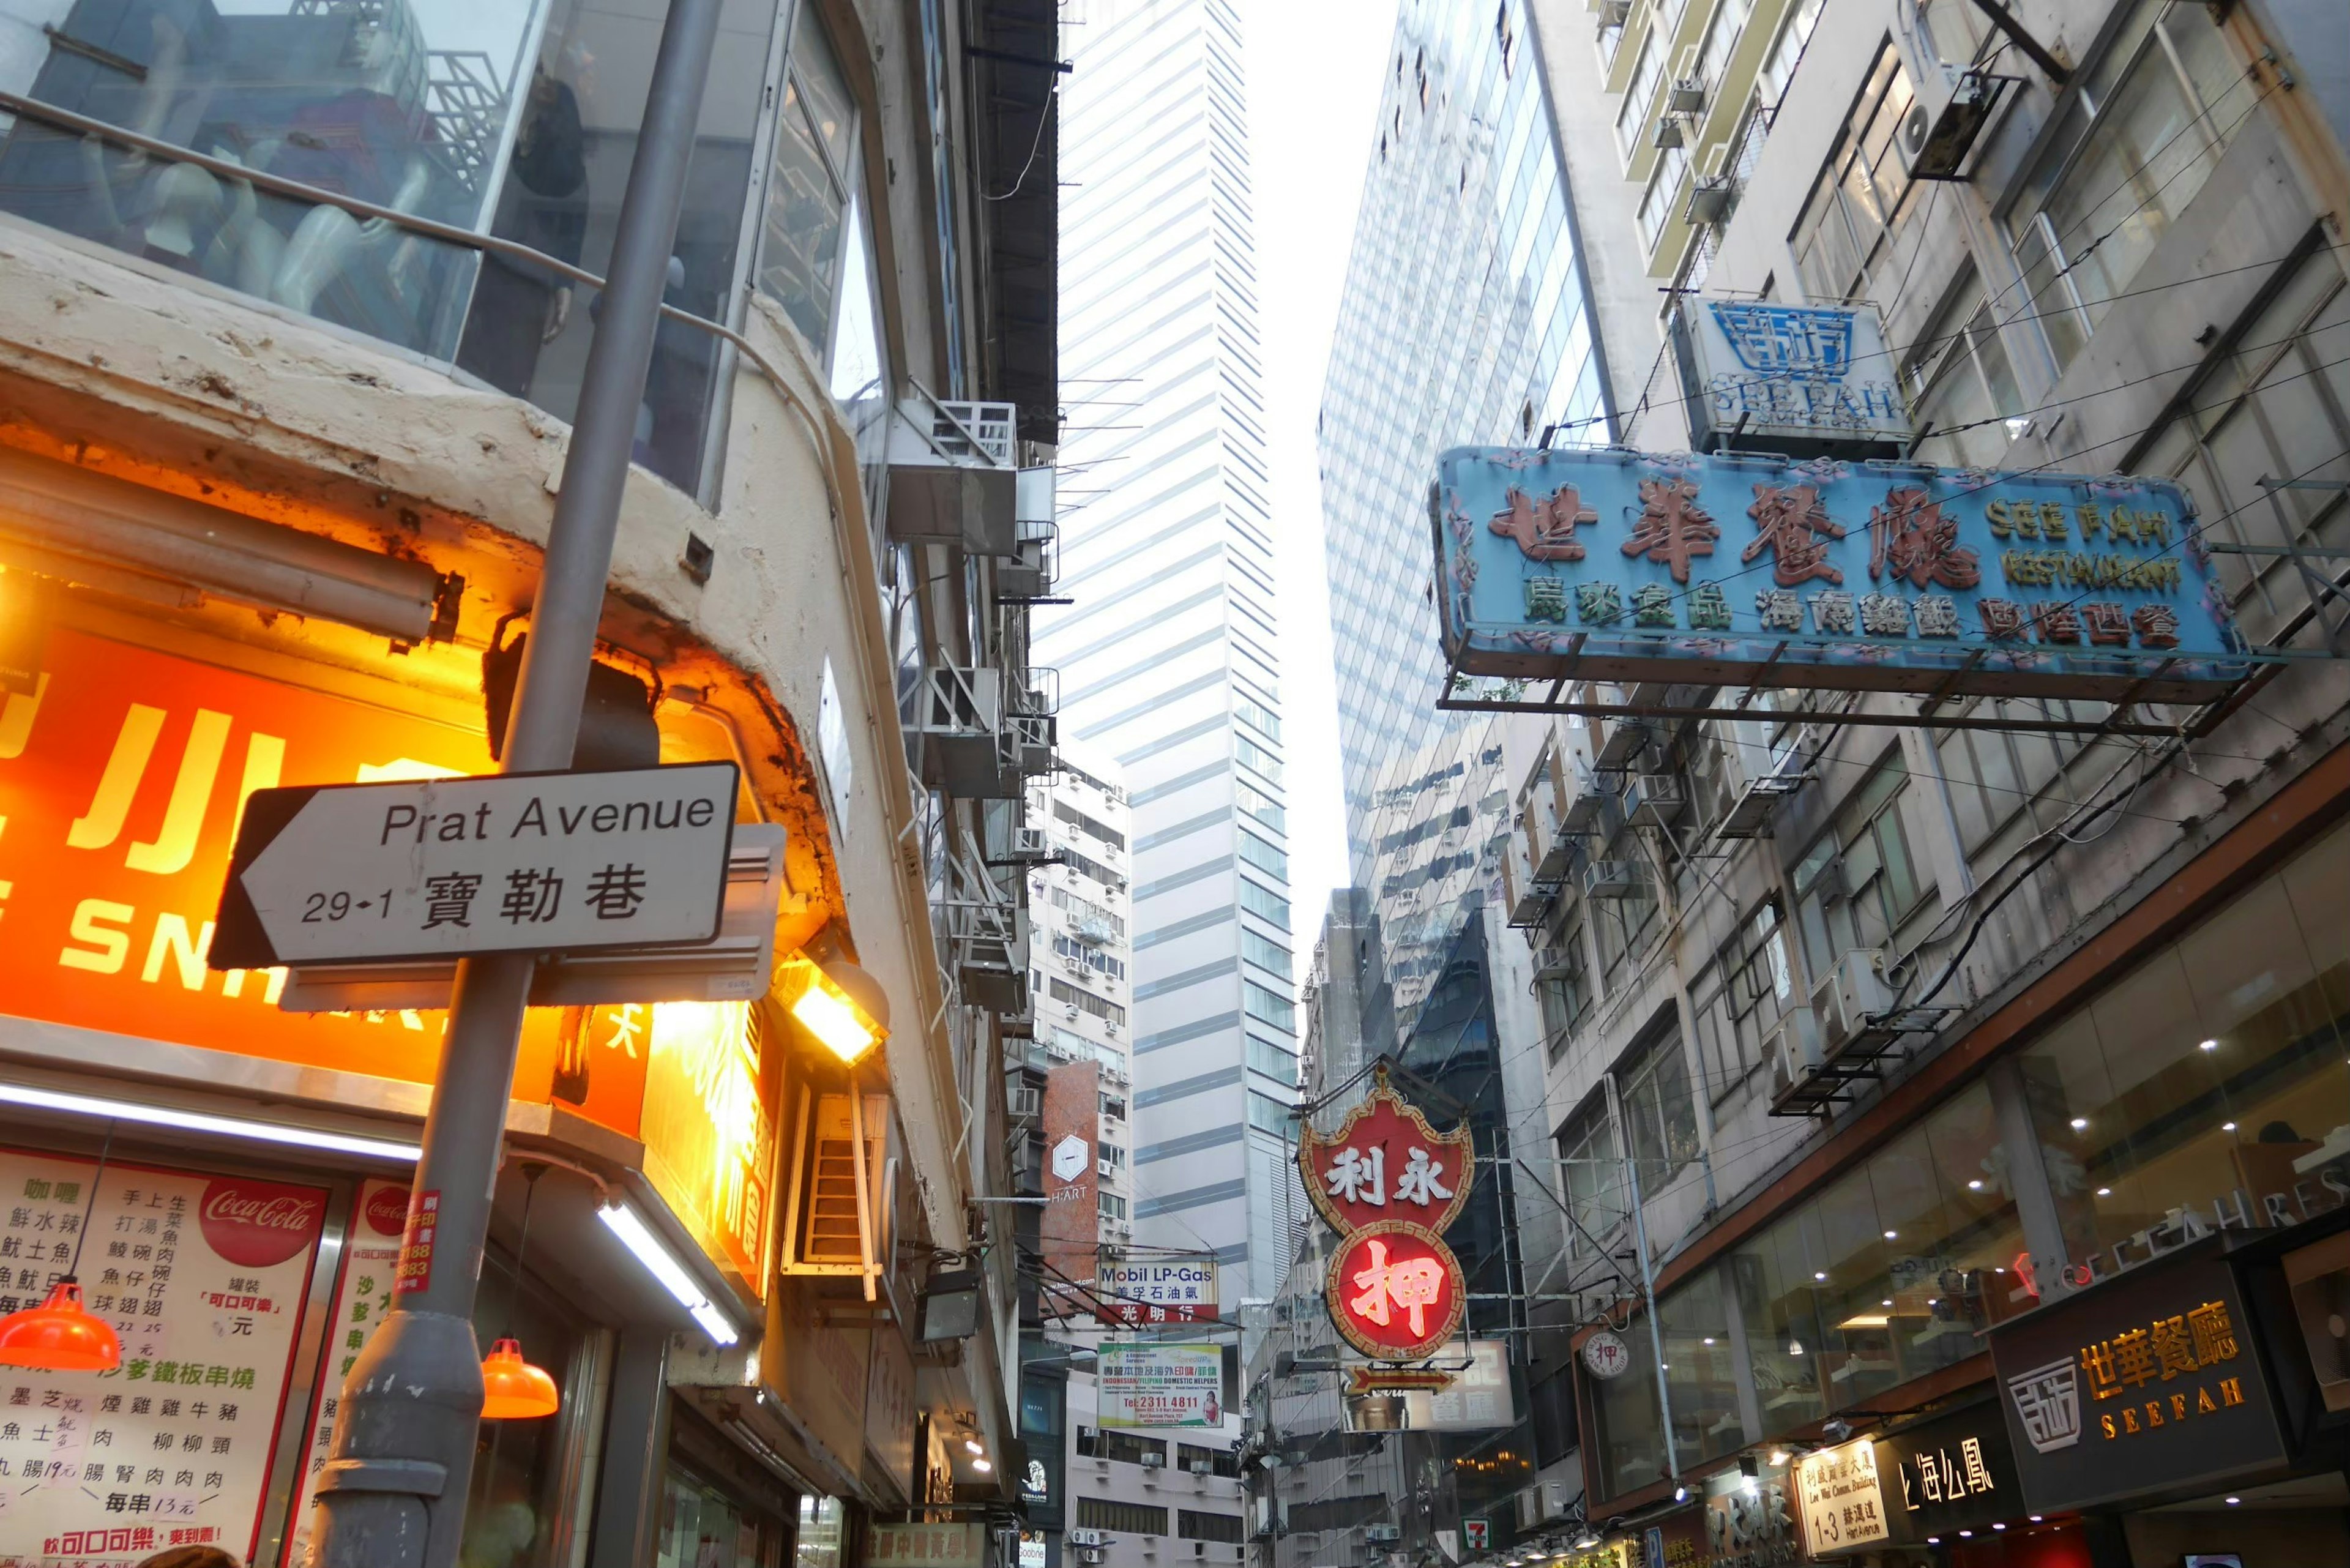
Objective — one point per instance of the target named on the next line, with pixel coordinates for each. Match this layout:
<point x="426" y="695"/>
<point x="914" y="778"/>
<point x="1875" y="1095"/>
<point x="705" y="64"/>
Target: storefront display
<point x="206" y="1279"/>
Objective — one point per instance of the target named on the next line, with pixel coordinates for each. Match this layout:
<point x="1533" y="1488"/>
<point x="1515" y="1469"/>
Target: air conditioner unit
<point x="1793" y="1047"/>
<point x="1613" y="879"/>
<point x="1091" y="1555"/>
<point x="1713" y="199"/>
<point x="1202" y="1467"/>
<point x="1087" y="1538"/>
<point x="1382" y="1535"/>
<point x="1947" y="118"/>
<point x="1669" y="134"/>
<point x="1750" y="815"/>
<point x="1543" y="1502"/>
<point x="1614" y="13"/>
<point x="1654" y="800"/>
<point x="1686" y="95"/>
<point x="1619" y="742"/>
<point x="1154" y="1462"/>
<point x="1104" y="1168"/>
<point x="1845" y="997"/>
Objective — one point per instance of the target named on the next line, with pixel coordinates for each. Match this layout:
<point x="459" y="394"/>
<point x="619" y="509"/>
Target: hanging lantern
<point x="514" y="1390"/>
<point x="62" y="1335"/>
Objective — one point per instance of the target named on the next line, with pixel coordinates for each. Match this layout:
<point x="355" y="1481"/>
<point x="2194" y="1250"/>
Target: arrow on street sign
<point x="540" y="863"/>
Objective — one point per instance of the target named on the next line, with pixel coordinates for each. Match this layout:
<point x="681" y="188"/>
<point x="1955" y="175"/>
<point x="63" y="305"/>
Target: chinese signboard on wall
<point x="1160" y="1386"/>
<point x="1749" y="1526"/>
<point x="707" y="1127"/>
<point x="205" y="1278"/>
<point x="1390" y="1183"/>
<point x="1612" y="566"/>
<point x="1808" y="380"/>
<point x="926" y="1546"/>
<point x="1953" y="1474"/>
<point x="2148" y="1380"/>
<point x="1157" y="1289"/>
<point x="1843" y="1505"/>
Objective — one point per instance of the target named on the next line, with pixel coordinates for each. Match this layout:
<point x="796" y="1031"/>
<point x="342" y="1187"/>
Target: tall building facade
<point x="1465" y="320"/>
<point x="1168" y="652"/>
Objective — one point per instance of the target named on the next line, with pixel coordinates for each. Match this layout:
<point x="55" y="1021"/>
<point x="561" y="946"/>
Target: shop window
<point x="1778" y="1276"/>
<point x="2131" y="148"/>
<point x="1627" y="1431"/>
<point x="1960" y="383"/>
<point x="2209" y="1071"/>
<point x="1700" y="1380"/>
<point x="1660" y="1117"/>
<point x="823" y="1530"/>
<point x="516" y="1511"/>
<point x="1738" y="999"/>
<point x="528" y="332"/>
<point x="1846" y="231"/>
<point x="702" y="1526"/>
<point x="1859" y="882"/>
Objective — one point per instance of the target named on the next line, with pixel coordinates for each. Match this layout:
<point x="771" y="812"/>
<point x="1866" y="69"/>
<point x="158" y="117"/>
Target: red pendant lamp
<point x="61" y="1334"/>
<point x="512" y="1388"/>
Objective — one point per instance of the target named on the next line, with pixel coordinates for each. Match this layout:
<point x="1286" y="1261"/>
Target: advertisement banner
<point x="1160" y="1386"/>
<point x="205" y="1279"/>
<point x="1605" y="565"/>
<point x="363" y="1295"/>
<point x="1158" y="1290"/>
<point x="123" y="777"/>
<point x="2148" y="1380"/>
<point x="1069" y="1230"/>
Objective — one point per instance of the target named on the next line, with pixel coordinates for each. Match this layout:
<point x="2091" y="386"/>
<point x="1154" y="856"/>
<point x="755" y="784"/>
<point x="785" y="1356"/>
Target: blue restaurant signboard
<point x="1812" y="381"/>
<point x="1721" y="569"/>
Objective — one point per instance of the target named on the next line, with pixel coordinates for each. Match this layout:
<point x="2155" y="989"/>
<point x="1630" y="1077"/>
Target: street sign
<point x="527" y="863"/>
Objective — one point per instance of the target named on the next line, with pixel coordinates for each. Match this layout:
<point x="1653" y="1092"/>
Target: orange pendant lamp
<point x="512" y="1388"/>
<point x="61" y="1334"/>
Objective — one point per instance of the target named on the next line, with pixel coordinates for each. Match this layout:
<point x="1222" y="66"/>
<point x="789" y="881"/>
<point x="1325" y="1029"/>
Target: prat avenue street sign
<point x="454" y="868"/>
<point x="1390" y="1183"/>
<point x="1739" y="568"/>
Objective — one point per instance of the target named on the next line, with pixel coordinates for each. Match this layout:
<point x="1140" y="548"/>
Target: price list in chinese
<point x="363" y="1295"/>
<point x="204" y="1277"/>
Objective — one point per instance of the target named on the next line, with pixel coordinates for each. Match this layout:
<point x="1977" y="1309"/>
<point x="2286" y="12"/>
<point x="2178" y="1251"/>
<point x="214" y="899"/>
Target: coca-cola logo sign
<point x="257" y="1223"/>
<point x="387" y="1210"/>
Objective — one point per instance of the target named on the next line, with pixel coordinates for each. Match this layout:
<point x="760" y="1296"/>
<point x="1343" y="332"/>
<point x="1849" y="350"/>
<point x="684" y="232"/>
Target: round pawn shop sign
<point x="1395" y="1291"/>
<point x="1604" y="1355"/>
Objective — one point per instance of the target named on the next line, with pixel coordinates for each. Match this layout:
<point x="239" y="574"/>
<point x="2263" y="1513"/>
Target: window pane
<point x="1699" y="1377"/>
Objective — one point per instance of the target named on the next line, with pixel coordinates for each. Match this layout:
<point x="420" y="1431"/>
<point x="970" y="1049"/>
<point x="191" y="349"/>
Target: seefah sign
<point x="2147" y="1382"/>
<point x="451" y="868"/>
<point x="1809" y="379"/>
<point x="1605" y="565"/>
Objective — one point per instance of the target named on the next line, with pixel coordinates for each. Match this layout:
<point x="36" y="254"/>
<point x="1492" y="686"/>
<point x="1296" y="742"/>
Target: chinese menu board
<point x="204" y="1277"/>
<point x="362" y="1296"/>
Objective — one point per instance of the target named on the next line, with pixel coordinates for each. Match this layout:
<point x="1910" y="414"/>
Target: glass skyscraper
<point x="1465" y="320"/>
<point x="1168" y="653"/>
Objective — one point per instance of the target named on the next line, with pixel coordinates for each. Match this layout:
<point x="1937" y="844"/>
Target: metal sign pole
<point x="393" y="1492"/>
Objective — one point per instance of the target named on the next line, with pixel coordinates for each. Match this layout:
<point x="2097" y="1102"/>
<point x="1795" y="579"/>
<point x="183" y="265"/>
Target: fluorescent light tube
<point x="200" y="1121"/>
<point x="658" y="1261"/>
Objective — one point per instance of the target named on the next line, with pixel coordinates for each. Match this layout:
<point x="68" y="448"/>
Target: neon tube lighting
<point x="200" y="1121"/>
<point x="623" y="1223"/>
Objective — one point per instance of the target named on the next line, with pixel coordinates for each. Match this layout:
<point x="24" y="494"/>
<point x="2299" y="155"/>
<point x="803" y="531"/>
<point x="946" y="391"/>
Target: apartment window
<point x="1268" y="1115"/>
<point x="809" y="196"/>
<point x="1664" y="188"/>
<point x="1203" y="1461"/>
<point x="1268" y="1006"/>
<point x="1659" y="1116"/>
<point x="1252" y="756"/>
<point x="1611" y="38"/>
<point x="1619" y="924"/>
<point x="1266" y="955"/>
<point x="1275" y="1061"/>
<point x="1262" y="854"/>
<point x="2129" y="152"/>
<point x="1257" y="713"/>
<point x="1192" y="1524"/>
<point x="1960" y="382"/>
<point x="1112" y="1206"/>
<point x="1264" y="903"/>
<point x="1563" y="988"/>
<point x="1786" y="53"/>
<point x="1113" y="1155"/>
<point x="1639" y="96"/>
<point x="1998" y="775"/>
<point x="1089" y="825"/>
<point x="1846" y="230"/>
<point x="1592" y="1173"/>
<point x="1739" y="997"/>
<point x="1860" y="881"/>
<point x="1124" y="1518"/>
<point x="1085" y="1001"/>
<point x="1722" y="36"/>
<point x="1114" y="1107"/>
<point x="1259" y="806"/>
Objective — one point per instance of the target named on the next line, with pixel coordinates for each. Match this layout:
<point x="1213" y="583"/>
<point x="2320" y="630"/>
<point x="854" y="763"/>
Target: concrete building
<point x="295" y="303"/>
<point x="2131" y="264"/>
<point x="1168" y="656"/>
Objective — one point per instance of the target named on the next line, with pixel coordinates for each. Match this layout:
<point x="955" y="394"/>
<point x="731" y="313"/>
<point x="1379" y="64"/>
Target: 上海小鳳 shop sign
<point x="1606" y="565"/>
<point x="2148" y="1382"/>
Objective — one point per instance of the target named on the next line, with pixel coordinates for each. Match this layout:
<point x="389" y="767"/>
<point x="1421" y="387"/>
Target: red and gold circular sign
<point x="1395" y="1291"/>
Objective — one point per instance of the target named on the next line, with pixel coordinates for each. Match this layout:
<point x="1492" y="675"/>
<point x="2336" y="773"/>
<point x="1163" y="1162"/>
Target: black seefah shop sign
<point x="1956" y="1472"/>
<point x="2151" y="1381"/>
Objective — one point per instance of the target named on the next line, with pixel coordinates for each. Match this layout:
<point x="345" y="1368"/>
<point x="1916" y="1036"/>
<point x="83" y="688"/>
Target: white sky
<point x="1313" y="81"/>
